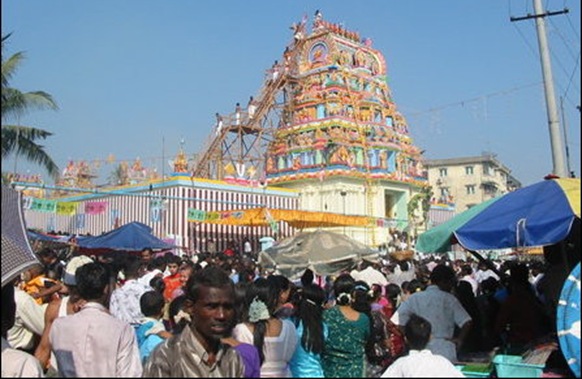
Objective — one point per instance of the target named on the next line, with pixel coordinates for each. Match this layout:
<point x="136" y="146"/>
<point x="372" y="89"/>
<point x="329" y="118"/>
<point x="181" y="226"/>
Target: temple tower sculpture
<point x="342" y="141"/>
<point x="324" y="122"/>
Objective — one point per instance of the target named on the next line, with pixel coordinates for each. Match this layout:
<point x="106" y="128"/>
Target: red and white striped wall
<point x="178" y="194"/>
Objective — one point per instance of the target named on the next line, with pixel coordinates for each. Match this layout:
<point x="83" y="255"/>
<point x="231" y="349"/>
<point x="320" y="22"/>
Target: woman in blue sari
<point x="311" y="333"/>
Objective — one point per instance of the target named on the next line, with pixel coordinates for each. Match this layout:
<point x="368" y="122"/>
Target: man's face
<point x="146" y="256"/>
<point x="48" y="259"/>
<point x="213" y="314"/>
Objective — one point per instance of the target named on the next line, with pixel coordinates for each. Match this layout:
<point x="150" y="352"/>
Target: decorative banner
<point x="386" y="223"/>
<point x="50" y="225"/>
<point x="27" y="202"/>
<point x="80" y="220"/>
<point x="95" y="207"/>
<point x="212" y="216"/>
<point x="156" y="208"/>
<point x="114" y="217"/>
<point x="401" y="224"/>
<point x="197" y="215"/>
<point x="272" y="222"/>
<point x="43" y="205"/>
<point x="68" y="209"/>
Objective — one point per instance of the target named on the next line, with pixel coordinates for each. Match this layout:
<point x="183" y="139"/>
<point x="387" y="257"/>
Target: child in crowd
<point x="178" y="318"/>
<point x="150" y="331"/>
<point x="420" y="362"/>
<point x="38" y="285"/>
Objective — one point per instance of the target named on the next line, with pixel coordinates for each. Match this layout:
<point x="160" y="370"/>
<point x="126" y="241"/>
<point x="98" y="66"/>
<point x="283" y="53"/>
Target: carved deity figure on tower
<point x="181" y="162"/>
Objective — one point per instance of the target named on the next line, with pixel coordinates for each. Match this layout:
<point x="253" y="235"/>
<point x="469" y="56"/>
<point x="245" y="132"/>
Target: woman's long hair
<point x="310" y="313"/>
<point x="280" y="284"/>
<point x="262" y="290"/>
<point x="362" y="297"/>
<point x="393" y="291"/>
<point x="342" y="289"/>
<point x="362" y="302"/>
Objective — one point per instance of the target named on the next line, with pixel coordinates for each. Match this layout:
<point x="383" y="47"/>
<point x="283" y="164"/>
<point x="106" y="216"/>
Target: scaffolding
<point x="238" y="146"/>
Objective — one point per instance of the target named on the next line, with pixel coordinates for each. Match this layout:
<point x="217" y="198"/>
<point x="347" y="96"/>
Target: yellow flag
<point x="67" y="208"/>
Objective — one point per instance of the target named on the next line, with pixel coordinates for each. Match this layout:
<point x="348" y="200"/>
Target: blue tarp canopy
<point x="41" y="237"/>
<point x="537" y="215"/>
<point x="133" y="236"/>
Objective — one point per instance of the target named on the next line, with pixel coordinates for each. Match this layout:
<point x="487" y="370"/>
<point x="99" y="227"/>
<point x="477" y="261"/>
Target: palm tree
<point x="20" y="139"/>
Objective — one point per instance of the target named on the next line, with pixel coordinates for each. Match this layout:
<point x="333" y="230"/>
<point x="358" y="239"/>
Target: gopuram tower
<point x="324" y="123"/>
<point x="341" y="140"/>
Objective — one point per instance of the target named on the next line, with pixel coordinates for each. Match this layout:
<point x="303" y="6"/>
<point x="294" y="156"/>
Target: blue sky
<point x="134" y="77"/>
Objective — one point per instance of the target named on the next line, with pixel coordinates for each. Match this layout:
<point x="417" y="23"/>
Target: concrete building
<point x="465" y="182"/>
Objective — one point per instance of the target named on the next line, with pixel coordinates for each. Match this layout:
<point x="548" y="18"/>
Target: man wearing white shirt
<point x="369" y="275"/>
<point x="484" y="272"/>
<point x="15" y="363"/>
<point x="467" y="276"/>
<point x="29" y="322"/>
<point x="442" y="309"/>
<point x="420" y="362"/>
<point x="93" y="343"/>
<point x="156" y="267"/>
<point x="124" y="303"/>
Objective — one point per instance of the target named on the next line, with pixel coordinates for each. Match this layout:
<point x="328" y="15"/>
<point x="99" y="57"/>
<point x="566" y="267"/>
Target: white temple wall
<point x="326" y="196"/>
<point x="176" y="196"/>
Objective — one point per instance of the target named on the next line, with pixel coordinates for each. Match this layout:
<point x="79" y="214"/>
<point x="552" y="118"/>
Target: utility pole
<point x="559" y="162"/>
<point x="565" y="136"/>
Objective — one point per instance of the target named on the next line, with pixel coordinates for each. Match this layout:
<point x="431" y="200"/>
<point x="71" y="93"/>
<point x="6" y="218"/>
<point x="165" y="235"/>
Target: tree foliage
<point x="420" y="201"/>
<point x="20" y="139"/>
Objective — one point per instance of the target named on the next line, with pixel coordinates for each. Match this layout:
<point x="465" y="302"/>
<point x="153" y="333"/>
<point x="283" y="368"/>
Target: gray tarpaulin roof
<point x="324" y="252"/>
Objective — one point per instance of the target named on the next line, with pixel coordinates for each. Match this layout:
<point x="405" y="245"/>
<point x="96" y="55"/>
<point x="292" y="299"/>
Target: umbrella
<point x="568" y="320"/>
<point x="440" y="238"/>
<point x="324" y="252"/>
<point x="17" y="255"/>
<point x="133" y="236"/>
<point x="537" y="215"/>
<point x="40" y="240"/>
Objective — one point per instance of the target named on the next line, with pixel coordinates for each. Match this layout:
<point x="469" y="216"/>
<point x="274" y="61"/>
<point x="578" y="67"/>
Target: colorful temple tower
<point x="342" y="141"/>
<point x="324" y="123"/>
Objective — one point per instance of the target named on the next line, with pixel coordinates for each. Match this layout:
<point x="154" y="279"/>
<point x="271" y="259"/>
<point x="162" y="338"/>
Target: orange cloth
<point x="295" y="218"/>
<point x="35" y="285"/>
<point x="172" y="283"/>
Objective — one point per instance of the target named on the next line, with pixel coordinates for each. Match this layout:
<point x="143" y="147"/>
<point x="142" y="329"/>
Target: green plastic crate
<point x="512" y="366"/>
<point x="475" y="370"/>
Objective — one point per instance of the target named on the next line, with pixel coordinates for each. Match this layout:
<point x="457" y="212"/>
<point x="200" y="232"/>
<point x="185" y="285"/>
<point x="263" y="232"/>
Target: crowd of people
<point x="151" y="314"/>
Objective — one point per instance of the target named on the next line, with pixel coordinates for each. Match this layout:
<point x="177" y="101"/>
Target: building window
<point x="469" y="170"/>
<point x="442" y="172"/>
<point x="487" y="170"/>
<point x="490" y="188"/>
<point x="470" y="189"/>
